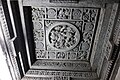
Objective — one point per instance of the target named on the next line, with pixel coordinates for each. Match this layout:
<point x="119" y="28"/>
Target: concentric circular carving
<point x="39" y="45"/>
<point x="51" y="13"/>
<point x="63" y="36"/>
<point x="37" y="25"/>
<point x="89" y="26"/>
<point x="77" y="14"/>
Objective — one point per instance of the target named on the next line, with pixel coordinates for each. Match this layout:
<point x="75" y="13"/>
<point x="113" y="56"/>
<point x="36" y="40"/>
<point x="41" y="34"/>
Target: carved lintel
<point x="48" y="73"/>
<point x="62" y="65"/>
<point x="56" y="78"/>
<point x="46" y="78"/>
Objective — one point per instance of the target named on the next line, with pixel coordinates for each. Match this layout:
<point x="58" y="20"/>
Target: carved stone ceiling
<point x="49" y="40"/>
<point x="64" y="33"/>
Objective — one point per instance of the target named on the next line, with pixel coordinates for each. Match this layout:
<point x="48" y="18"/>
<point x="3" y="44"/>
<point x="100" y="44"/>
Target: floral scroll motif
<point x="38" y="13"/>
<point x="63" y="13"/>
<point x="64" y="36"/>
<point x="89" y="15"/>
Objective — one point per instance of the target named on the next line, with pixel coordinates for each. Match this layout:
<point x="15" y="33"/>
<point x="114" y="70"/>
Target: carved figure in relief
<point x="93" y="14"/>
<point x="64" y="13"/>
<point x="41" y="54"/>
<point x="87" y="36"/>
<point x="38" y="35"/>
<point x="79" y="24"/>
<point x="48" y="23"/>
<point x="86" y="15"/>
<point x="60" y="55"/>
<point x="82" y="55"/>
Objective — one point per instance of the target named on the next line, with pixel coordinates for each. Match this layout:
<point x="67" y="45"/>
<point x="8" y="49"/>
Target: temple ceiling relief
<point x="64" y="33"/>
